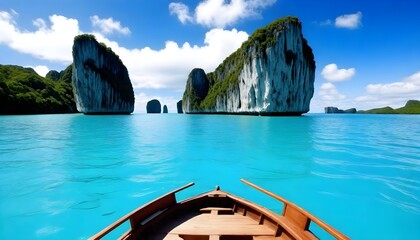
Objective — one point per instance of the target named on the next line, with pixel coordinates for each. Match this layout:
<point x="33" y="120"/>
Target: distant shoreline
<point x="411" y="107"/>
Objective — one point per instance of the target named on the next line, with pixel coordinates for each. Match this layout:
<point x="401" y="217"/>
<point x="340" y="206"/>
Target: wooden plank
<point x="332" y="231"/>
<point x="217" y="209"/>
<point x="157" y="206"/>
<point x="294" y="230"/>
<point x="207" y="224"/>
<point x="120" y="221"/>
<point x="172" y="237"/>
<point x="265" y="238"/>
<point x="300" y="219"/>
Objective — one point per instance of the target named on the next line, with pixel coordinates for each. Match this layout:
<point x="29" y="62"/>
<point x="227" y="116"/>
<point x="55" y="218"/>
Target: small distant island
<point x="336" y="110"/>
<point x="411" y="107"/>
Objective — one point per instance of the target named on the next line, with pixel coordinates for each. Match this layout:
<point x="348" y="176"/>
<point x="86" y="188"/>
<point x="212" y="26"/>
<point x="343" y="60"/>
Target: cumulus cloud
<point x="41" y="70"/>
<point x="408" y="86"/>
<point x="52" y="41"/>
<point x="393" y="94"/>
<point x="331" y="73"/>
<point x="350" y="21"/>
<point x="165" y="68"/>
<point x="108" y="26"/>
<point x="181" y="11"/>
<point x="169" y="67"/>
<point x="328" y="92"/>
<point x="220" y="13"/>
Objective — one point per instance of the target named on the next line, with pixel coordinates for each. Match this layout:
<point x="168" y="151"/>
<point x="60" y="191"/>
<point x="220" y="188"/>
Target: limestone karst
<point x="272" y="73"/>
<point x="100" y="79"/>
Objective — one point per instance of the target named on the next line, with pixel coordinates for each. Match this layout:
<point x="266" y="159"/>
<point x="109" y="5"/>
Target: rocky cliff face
<point x="196" y="90"/>
<point x="100" y="79"/>
<point x="179" y="106"/>
<point x="271" y="74"/>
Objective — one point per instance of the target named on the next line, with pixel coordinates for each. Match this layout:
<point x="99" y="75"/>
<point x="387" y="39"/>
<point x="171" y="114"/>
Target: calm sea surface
<point x="68" y="176"/>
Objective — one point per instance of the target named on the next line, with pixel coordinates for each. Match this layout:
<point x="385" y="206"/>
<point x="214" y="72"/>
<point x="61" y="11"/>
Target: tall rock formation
<point x="100" y="79"/>
<point x="196" y="90"/>
<point x="272" y="73"/>
<point x="165" y="109"/>
<point x="153" y="106"/>
<point x="179" y="106"/>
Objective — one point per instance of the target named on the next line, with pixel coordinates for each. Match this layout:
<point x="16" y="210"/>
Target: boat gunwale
<point x="128" y="216"/>
<point x="334" y="232"/>
<point x="284" y="223"/>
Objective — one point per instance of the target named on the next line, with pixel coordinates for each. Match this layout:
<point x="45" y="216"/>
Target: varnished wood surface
<point x="218" y="215"/>
<point x="211" y="224"/>
<point x="298" y="215"/>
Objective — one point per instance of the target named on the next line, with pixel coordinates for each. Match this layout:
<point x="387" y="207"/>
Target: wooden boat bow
<point x="217" y="215"/>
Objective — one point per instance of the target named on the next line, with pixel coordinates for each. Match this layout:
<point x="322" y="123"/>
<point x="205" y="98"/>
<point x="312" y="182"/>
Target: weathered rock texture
<point x="179" y="106"/>
<point x="165" y="109"/>
<point x="100" y="79"/>
<point x="271" y="74"/>
<point x="153" y="106"/>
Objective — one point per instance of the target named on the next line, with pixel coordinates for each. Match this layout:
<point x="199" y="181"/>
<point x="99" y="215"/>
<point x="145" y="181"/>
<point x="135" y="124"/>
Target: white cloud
<point x="165" y="68"/>
<point x="8" y="17"/>
<point x="350" y="21"/>
<point x="169" y="67"/>
<point x="52" y="42"/>
<point x="329" y="95"/>
<point x="331" y="73"/>
<point x="7" y="26"/>
<point x="181" y="11"/>
<point x="220" y="13"/>
<point x="108" y="26"/>
<point x="41" y="70"/>
<point x="410" y="86"/>
<point x="328" y="92"/>
<point x="394" y="94"/>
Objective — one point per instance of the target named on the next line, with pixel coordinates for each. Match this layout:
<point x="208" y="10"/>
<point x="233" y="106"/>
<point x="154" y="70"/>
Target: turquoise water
<point x="68" y="176"/>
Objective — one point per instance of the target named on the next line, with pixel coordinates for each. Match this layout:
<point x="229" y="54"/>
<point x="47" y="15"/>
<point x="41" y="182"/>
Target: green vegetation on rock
<point x="266" y="37"/>
<point x="23" y="91"/>
<point x="411" y="107"/>
<point x="226" y="75"/>
<point x="53" y="74"/>
<point x="67" y="74"/>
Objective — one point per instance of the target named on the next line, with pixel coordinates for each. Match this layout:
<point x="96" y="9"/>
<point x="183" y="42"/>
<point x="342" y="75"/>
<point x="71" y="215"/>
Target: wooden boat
<point x="217" y="215"/>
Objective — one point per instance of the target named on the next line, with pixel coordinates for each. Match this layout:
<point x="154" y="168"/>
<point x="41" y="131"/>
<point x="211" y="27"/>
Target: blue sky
<point x="367" y="53"/>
